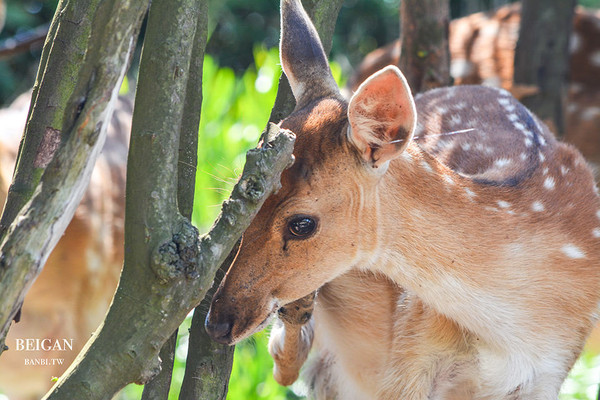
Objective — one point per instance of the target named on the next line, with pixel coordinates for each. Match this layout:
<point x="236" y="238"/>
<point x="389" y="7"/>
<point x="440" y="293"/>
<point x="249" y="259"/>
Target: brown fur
<point x="483" y="278"/>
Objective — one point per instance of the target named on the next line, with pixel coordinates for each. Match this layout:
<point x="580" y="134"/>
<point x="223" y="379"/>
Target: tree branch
<point x="186" y="174"/>
<point x="425" y="57"/>
<point x="208" y="364"/>
<point x="67" y="130"/>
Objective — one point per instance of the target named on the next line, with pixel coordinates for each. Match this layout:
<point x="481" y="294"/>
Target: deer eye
<point x="302" y="226"/>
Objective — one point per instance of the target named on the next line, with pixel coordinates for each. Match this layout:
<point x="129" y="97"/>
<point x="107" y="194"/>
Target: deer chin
<point x="241" y="331"/>
<point x="228" y="325"/>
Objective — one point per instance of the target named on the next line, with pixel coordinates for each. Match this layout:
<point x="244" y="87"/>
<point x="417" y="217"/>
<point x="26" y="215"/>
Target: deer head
<point x="322" y="222"/>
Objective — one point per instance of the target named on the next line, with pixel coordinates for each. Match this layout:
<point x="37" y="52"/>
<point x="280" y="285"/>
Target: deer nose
<point x="219" y="331"/>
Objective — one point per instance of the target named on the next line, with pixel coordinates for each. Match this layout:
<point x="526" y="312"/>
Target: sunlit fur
<point x="464" y="268"/>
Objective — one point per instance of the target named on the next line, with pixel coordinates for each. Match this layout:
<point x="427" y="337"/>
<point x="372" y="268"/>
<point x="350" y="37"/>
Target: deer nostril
<point x="220" y="332"/>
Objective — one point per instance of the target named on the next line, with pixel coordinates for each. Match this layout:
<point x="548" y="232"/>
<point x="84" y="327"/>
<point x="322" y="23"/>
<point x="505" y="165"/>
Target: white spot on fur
<point x="596" y="232"/>
<point x="537" y="206"/>
<point x="448" y="179"/>
<point x="456" y="119"/>
<point x="504" y="101"/>
<point x="426" y="166"/>
<point x="549" y="183"/>
<point x="572" y="108"/>
<point x="492" y="81"/>
<point x="407" y="156"/>
<point x="523" y="156"/>
<point x="590" y="113"/>
<point x="542" y="140"/>
<point x="470" y="193"/>
<point x="598" y="214"/>
<point x="542" y="156"/>
<point x="574" y="43"/>
<point x="513" y="117"/>
<point x="595" y="58"/>
<point x="575" y="87"/>
<point x="572" y="251"/>
<point x="502" y="162"/>
<point x="494" y="209"/>
<point x="466" y="146"/>
<point x="519" y="126"/>
<point x="564" y="170"/>
<point x="461" y="68"/>
<point x="503" y="204"/>
<point x="528" y="142"/>
<point x="545" y="171"/>
<point x="509" y="107"/>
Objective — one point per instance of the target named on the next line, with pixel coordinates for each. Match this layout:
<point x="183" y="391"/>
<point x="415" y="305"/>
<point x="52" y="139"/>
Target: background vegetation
<point x="240" y="82"/>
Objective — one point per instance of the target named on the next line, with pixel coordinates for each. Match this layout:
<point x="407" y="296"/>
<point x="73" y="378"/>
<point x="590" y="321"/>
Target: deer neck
<point x="443" y="237"/>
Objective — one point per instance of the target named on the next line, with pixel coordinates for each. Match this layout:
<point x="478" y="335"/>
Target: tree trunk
<point x="72" y="102"/>
<point x="542" y="58"/>
<point x="425" y="59"/>
<point x="159" y="387"/>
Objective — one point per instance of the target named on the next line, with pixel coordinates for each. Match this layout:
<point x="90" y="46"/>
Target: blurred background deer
<point x="70" y="297"/>
<point x="482" y="50"/>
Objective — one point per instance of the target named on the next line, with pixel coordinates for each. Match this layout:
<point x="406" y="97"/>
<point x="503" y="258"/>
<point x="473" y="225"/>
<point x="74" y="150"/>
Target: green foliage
<point x="582" y="383"/>
<point x="234" y="113"/>
<point x="252" y="377"/>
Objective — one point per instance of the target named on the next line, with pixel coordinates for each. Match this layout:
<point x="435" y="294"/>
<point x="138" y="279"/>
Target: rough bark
<point x="208" y="364"/>
<point x="159" y="387"/>
<point x="60" y="66"/>
<point x="542" y="57"/>
<point x="425" y="57"/>
<point x="66" y="130"/>
<point x="167" y="268"/>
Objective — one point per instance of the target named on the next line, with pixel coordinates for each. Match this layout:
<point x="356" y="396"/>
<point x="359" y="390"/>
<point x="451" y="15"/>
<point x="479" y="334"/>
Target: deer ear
<point x="382" y="117"/>
<point x="302" y="56"/>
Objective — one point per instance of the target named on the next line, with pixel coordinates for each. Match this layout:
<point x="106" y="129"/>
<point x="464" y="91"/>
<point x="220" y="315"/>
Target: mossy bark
<point x="425" y="57"/>
<point x="71" y="105"/>
<point x="160" y="385"/>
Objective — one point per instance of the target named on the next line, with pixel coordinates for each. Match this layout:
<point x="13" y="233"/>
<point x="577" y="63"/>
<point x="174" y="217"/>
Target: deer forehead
<point x="320" y="130"/>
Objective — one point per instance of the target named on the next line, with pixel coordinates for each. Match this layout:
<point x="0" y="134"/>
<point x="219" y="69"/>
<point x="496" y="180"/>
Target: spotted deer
<point x="70" y="297"/>
<point x="448" y="266"/>
<point x="482" y="50"/>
